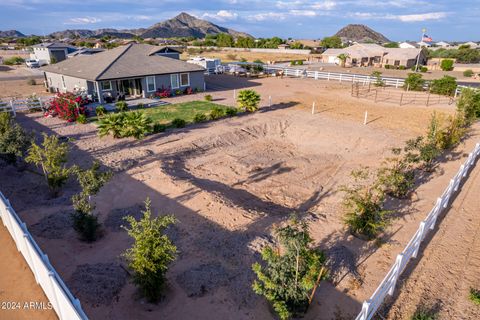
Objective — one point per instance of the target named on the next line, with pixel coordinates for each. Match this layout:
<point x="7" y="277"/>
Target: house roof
<point x="402" y="53"/>
<point x="333" y="52"/>
<point x="52" y="45"/>
<point x="132" y="60"/>
<point x="359" y="50"/>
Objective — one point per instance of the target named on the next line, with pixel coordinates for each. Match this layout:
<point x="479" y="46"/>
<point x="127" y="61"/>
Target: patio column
<point x="97" y="88"/>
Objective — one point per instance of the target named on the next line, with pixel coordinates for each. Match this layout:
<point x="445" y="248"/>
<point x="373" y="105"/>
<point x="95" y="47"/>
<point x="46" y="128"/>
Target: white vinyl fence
<point x="15" y="105"/>
<point x="63" y="302"/>
<point x="387" y="286"/>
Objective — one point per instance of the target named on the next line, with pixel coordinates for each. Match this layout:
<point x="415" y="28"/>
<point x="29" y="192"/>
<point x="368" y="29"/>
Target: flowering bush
<point x="67" y="106"/>
<point x="163" y="93"/>
<point x="188" y="90"/>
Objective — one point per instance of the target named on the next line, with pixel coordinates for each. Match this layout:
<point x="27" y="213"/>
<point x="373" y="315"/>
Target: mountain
<point x="11" y="34"/>
<point x="360" y="33"/>
<point x="183" y="25"/>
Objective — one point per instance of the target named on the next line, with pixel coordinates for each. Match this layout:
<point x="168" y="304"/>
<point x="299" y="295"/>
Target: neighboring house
<point x="134" y="70"/>
<point x="443" y="44"/>
<point x="283" y="46"/>
<point x="363" y="55"/>
<point x="48" y="52"/>
<point x="424" y="44"/>
<point x="84" y="51"/>
<point x="405" y="57"/>
<point x="408" y="45"/>
<point x="473" y="45"/>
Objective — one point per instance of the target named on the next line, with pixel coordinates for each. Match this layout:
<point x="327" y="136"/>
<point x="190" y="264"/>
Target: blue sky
<point x="396" y="19"/>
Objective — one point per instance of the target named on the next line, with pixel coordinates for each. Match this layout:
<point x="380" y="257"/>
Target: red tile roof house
<point x="135" y="70"/>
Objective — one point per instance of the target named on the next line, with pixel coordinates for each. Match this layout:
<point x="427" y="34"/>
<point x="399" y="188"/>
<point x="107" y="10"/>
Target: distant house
<point x="424" y="44"/>
<point x="408" y="45"/>
<point x="363" y="55"/>
<point x="473" y="45"/>
<point x="84" y="51"/>
<point x="283" y="46"/>
<point x="443" y="44"/>
<point x="134" y="70"/>
<point x="48" y="52"/>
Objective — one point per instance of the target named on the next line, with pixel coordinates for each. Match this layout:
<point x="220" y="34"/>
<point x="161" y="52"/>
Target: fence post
<point x="440" y="208"/>
<point x="29" y="255"/>
<point x="269" y="101"/>
<point x="12" y="106"/>
<point x="353" y="79"/>
<point x="397" y="83"/>
<point x="365" y="119"/>
<point x="340" y="77"/>
<point x="398" y="265"/>
<point x="417" y="244"/>
<point x="234" y="94"/>
<point x="428" y="97"/>
<point x="376" y="93"/>
<point x="401" y="98"/>
<point x="328" y="76"/>
<point x="51" y="275"/>
<point x="313" y="107"/>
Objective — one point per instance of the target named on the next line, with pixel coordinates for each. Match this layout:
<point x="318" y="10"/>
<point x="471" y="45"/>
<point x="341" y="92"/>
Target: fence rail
<point x="387" y="286"/>
<point x="15" y="105"/>
<point x="63" y="302"/>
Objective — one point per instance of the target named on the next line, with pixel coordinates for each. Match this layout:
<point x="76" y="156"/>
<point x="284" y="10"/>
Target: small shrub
<point x="14" y="141"/>
<point x="163" y="93"/>
<point x="178" y="123"/>
<point x="446" y="65"/>
<point x="444" y="86"/>
<point x="414" y="82"/>
<point x="474" y="296"/>
<point x="92" y="180"/>
<point x="121" y="106"/>
<point x="111" y="124"/>
<point x="424" y="314"/>
<point x="423" y="69"/>
<point x="13" y="61"/>
<point x="231" y="112"/>
<point x="126" y="124"/>
<point x="188" y="90"/>
<point x="84" y="222"/>
<point x="100" y="111"/>
<point x="397" y="176"/>
<point x="208" y="97"/>
<point x="248" y="100"/>
<point x="140" y="106"/>
<point x="216" y="113"/>
<point x="300" y="62"/>
<point x="31" y="82"/>
<point x="291" y="272"/>
<point x="364" y="213"/>
<point x="402" y="68"/>
<point x="200" y="117"/>
<point x="468" y="105"/>
<point x="157" y="128"/>
<point x="67" y="106"/>
<point x="231" y="57"/>
<point x="468" y="73"/>
<point x="387" y="66"/>
<point x="151" y="253"/>
<point x="378" y="79"/>
<point x="178" y="92"/>
<point x="51" y="156"/>
<point x="82" y="119"/>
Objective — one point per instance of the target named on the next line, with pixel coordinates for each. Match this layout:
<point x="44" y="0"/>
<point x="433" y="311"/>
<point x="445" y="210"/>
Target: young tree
<point x="225" y="40"/>
<point x="51" y="156"/>
<point x="13" y="140"/>
<point x="468" y="105"/>
<point x="444" y="86"/>
<point x="343" y="59"/>
<point x="152" y="251"/>
<point x="397" y="175"/>
<point x="292" y="271"/>
<point x="248" y="100"/>
<point x="332" y="42"/>
<point x="414" y="82"/>
<point x="378" y="79"/>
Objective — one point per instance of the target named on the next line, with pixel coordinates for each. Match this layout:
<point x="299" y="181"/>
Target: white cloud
<point x="222" y="15"/>
<point x="324" y="5"/>
<point x="303" y="13"/>
<point x="267" y="16"/>
<point x="84" y="20"/>
<point x="421" y="17"/>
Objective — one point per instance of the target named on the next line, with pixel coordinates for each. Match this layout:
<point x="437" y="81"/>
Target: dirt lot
<point x="228" y="56"/>
<point x="228" y="183"/>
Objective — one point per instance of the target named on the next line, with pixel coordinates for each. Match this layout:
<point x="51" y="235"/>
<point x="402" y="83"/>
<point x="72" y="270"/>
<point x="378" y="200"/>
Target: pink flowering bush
<point x="163" y="93"/>
<point x="67" y="106"/>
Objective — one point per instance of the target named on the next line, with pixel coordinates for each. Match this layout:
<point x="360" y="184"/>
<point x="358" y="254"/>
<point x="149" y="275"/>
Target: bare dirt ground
<point x="448" y="267"/>
<point x="21" y="89"/>
<point x="229" y="183"/>
<point x="228" y="56"/>
<point x="18" y="286"/>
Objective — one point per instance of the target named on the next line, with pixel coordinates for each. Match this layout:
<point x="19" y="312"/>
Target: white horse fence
<point x="63" y="302"/>
<point x="29" y="104"/>
<point x="387" y="286"/>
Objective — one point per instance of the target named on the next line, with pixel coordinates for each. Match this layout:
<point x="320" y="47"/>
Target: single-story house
<point x="408" y="45"/>
<point x="84" y="51"/>
<point x="368" y="54"/>
<point x="443" y="44"/>
<point x="473" y="45"/>
<point x="133" y="71"/>
<point x="48" y="52"/>
<point x="404" y="57"/>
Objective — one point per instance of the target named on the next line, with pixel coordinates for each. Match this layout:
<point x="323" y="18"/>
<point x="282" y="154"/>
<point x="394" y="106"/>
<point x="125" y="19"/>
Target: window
<point x="106" y="85"/>
<point x="151" y="84"/>
<point x="174" y="81"/>
<point x="184" y="79"/>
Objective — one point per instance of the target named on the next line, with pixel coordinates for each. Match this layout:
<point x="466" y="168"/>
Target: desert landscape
<point x="229" y="183"/>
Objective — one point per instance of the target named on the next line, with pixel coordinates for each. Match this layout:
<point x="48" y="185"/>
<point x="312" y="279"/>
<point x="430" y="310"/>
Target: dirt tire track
<point x="449" y="264"/>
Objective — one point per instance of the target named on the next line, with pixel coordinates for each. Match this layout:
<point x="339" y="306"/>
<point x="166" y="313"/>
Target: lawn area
<point x="186" y="111"/>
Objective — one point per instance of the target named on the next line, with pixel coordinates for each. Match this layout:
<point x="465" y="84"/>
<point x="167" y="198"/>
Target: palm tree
<point x="343" y="58"/>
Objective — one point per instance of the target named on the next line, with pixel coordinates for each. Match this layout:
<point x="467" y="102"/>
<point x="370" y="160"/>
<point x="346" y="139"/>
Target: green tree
<point x="291" y="272"/>
<point x="245" y="42"/>
<point x="343" y="59"/>
<point x="51" y="156"/>
<point x="14" y="141"/>
<point x="378" y="79"/>
<point x="391" y="45"/>
<point x="225" y="40"/>
<point x="468" y="105"/>
<point x="248" y="100"/>
<point x="414" y="82"/>
<point x="444" y="86"/>
<point x="296" y="45"/>
<point x="151" y="253"/>
<point x="331" y="42"/>
<point x="446" y="65"/>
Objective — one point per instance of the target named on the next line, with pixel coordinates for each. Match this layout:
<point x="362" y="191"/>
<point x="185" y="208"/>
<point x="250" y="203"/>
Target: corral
<point x="228" y="183"/>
